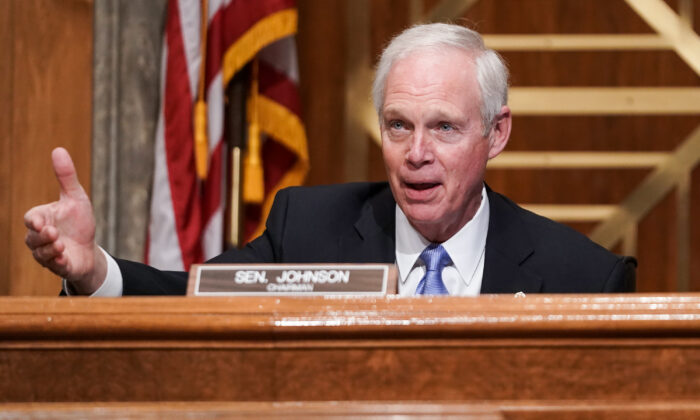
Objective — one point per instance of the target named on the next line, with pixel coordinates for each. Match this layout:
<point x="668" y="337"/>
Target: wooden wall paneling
<point x="555" y="16"/>
<point x="689" y="10"/>
<point x="566" y="186"/>
<point x="656" y="249"/>
<point x="321" y="46"/>
<point x="51" y="107"/>
<point x="322" y="60"/>
<point x="683" y="238"/>
<point x="661" y="68"/>
<point x="6" y="60"/>
<point x="389" y="17"/>
<point x="686" y="43"/>
<point x="357" y="77"/>
<point x="657" y="234"/>
<point x="655" y="133"/>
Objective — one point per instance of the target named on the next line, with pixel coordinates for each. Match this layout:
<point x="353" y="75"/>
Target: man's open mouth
<point x="422" y="185"/>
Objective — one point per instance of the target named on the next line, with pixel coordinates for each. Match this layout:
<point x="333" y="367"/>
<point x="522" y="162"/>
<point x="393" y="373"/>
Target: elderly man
<point x="441" y="98"/>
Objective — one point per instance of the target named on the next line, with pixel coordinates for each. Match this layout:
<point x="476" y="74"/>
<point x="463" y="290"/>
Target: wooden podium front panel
<point x="614" y="348"/>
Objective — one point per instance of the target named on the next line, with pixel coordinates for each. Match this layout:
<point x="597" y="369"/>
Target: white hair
<point x="491" y="71"/>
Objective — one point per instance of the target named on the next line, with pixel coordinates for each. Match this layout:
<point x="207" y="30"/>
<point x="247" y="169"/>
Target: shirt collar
<point x="465" y="247"/>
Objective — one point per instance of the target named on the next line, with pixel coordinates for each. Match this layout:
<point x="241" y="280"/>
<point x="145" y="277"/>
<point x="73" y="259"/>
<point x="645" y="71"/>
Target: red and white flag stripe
<point x="186" y="221"/>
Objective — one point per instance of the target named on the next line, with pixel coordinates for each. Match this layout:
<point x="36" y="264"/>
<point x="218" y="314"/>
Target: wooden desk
<point x="625" y="353"/>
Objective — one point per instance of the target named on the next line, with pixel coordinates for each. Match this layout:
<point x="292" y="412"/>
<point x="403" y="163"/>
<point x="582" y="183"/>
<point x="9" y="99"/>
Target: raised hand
<point x="61" y="235"/>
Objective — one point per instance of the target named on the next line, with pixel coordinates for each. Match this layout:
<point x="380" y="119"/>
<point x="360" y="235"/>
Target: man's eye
<point x="397" y="125"/>
<point x="445" y="126"/>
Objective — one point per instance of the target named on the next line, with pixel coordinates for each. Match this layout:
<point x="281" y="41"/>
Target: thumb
<point x="65" y="173"/>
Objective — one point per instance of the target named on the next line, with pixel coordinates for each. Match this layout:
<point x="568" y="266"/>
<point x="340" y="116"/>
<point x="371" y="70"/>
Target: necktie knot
<point x="435" y="258"/>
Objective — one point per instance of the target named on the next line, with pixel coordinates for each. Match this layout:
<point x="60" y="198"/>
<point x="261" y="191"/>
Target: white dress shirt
<point x="462" y="278"/>
<point x="466" y="250"/>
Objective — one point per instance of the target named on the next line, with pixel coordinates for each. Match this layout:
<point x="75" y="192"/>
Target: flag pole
<point x="235" y="213"/>
<point x="235" y="129"/>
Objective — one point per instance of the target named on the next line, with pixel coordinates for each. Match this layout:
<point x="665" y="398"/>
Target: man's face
<point x="432" y="140"/>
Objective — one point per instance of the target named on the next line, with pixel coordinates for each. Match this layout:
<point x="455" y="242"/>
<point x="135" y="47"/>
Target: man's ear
<point x="500" y="132"/>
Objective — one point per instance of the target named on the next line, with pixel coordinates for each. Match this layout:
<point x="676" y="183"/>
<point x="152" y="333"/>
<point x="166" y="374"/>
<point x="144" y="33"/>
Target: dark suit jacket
<point x="355" y="223"/>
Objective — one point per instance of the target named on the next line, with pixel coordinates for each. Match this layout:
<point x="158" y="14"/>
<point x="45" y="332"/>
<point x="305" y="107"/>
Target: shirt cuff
<point x="113" y="284"/>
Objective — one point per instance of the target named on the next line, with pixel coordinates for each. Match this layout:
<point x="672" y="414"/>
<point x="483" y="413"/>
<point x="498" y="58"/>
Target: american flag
<point x="187" y="212"/>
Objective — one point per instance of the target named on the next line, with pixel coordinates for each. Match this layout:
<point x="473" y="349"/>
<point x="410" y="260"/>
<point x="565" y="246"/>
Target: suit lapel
<point x="372" y="237"/>
<point x="508" y="246"/>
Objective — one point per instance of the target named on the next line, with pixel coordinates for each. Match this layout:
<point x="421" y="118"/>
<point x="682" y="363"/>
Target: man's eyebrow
<point x="440" y="113"/>
<point x="392" y="109"/>
<point x="392" y="115"/>
<point x="445" y="114"/>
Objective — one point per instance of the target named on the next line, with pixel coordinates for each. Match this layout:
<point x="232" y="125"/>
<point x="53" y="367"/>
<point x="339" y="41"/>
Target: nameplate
<point x="291" y="279"/>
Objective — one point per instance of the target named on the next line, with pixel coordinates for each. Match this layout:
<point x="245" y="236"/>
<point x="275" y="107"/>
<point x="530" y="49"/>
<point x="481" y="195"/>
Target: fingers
<point x="39" y="217"/>
<point x="34" y="219"/>
<point x="46" y="248"/>
<point x="51" y="255"/>
<point x="46" y="235"/>
<point x="65" y="173"/>
<point x="46" y="253"/>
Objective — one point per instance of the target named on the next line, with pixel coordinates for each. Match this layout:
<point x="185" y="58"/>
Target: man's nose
<point x="419" y="152"/>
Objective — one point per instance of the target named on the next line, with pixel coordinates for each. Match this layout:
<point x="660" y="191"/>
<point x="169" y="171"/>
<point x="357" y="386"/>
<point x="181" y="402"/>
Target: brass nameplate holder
<point x="291" y="279"/>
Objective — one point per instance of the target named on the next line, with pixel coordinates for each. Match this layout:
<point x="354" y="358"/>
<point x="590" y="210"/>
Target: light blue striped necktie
<point x="435" y="258"/>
